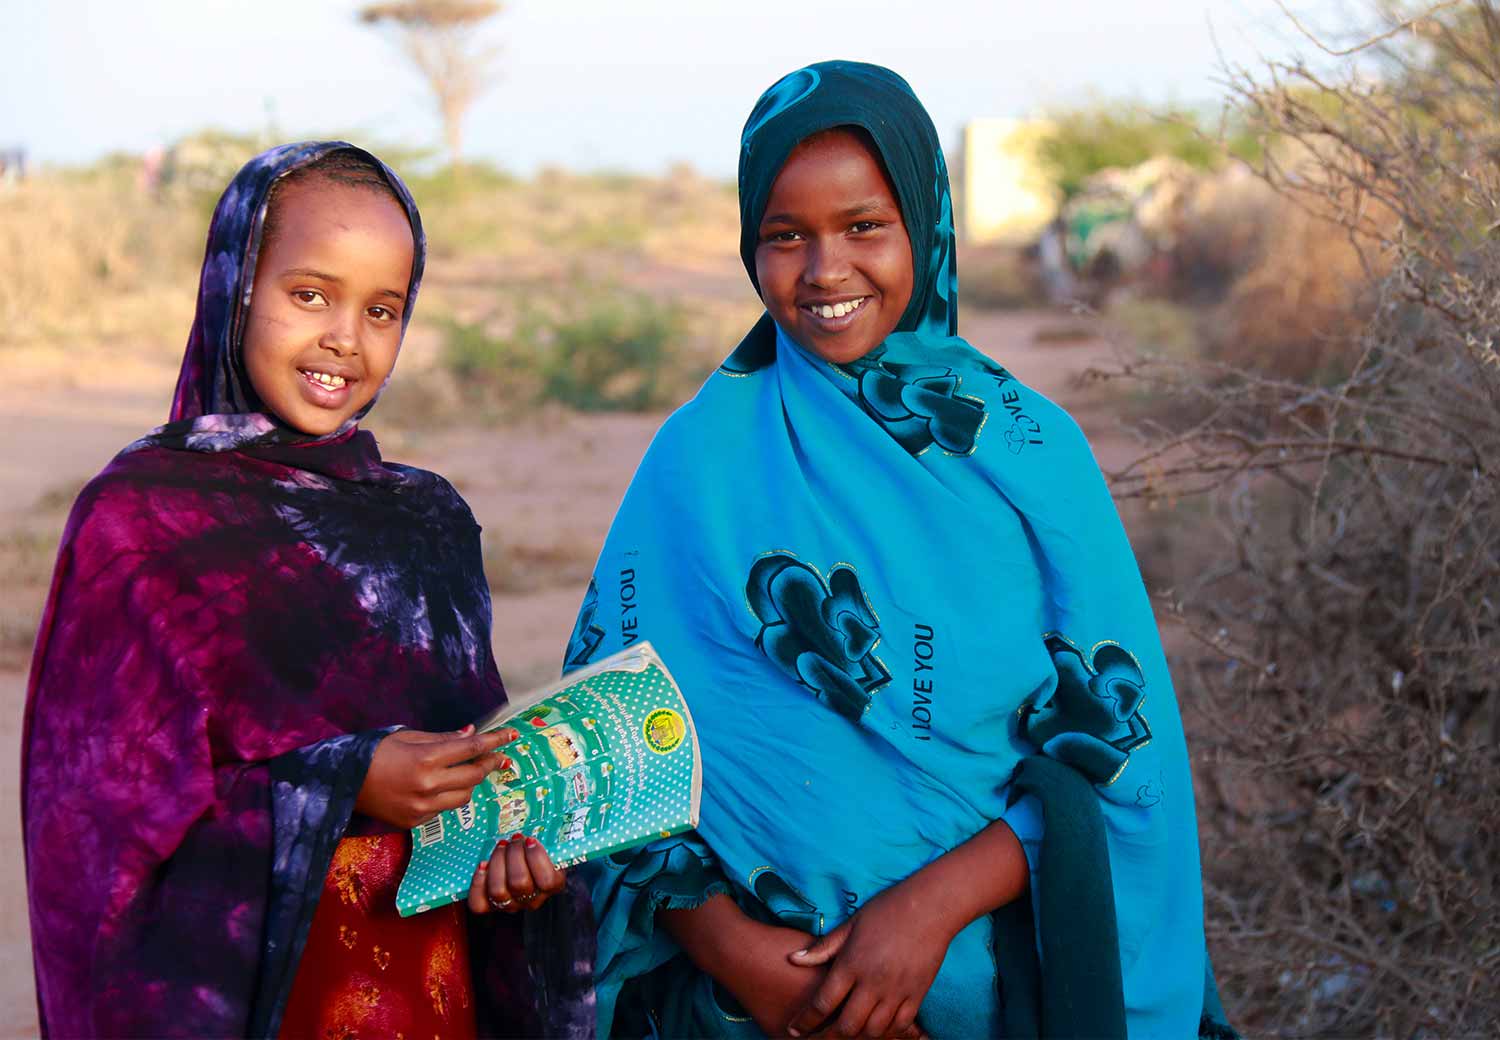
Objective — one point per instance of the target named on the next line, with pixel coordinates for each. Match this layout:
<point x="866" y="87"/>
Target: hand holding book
<point x="519" y="875"/>
<point x="607" y="759"/>
<point x="415" y="775"/>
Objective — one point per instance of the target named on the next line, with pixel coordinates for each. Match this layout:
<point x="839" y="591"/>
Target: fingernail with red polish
<point x="532" y="843"/>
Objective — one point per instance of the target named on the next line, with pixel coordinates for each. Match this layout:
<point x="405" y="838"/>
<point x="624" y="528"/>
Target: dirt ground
<point x="543" y="491"/>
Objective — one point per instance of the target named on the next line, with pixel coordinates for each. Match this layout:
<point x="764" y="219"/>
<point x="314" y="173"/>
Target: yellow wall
<point x="1006" y="196"/>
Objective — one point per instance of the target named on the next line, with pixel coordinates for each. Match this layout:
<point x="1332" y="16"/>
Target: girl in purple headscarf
<point x="255" y="668"/>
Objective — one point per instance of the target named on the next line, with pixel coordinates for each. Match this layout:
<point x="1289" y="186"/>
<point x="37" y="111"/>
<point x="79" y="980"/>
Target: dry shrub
<point x="1298" y="308"/>
<point x="1222" y="228"/>
<point x="1297" y="279"/>
<point x="93" y="256"/>
<point x="1345" y="710"/>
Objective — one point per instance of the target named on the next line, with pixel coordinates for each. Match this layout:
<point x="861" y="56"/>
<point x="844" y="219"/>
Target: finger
<point x="478" y="902"/>
<point x="497" y="883"/>
<point x="507" y="734"/>
<point x="417" y="736"/>
<point x="856" y="1012"/>
<point x="518" y="871"/>
<point x="422" y="736"/>
<point x="468" y="776"/>
<point x="431" y="805"/>
<point x="904" y="1024"/>
<point x="878" y="1024"/>
<point x="455" y="749"/>
<point x="544" y="874"/>
<point x="823" y="950"/>
<point x="836" y="986"/>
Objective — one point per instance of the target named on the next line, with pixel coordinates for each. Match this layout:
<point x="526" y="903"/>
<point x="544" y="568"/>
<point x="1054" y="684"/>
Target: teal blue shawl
<point x="883" y="587"/>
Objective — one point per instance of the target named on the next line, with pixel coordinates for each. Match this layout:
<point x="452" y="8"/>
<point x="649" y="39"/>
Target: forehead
<point x="830" y="168"/>
<point x="320" y="213"/>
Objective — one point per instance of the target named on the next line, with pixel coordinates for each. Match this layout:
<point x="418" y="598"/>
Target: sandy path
<point x="544" y="491"/>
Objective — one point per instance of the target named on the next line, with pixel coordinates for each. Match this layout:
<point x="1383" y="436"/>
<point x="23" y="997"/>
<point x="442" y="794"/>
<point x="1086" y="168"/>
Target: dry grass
<point x="91" y="257"/>
<point x="28" y="549"/>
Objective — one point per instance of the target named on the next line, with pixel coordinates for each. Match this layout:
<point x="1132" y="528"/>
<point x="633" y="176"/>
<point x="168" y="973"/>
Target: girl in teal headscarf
<point x="925" y="673"/>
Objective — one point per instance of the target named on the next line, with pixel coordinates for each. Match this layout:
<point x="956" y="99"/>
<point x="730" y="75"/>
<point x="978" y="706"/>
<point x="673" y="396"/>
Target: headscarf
<point x="883" y="586"/>
<point x="213" y="379"/>
<point x="239" y="613"/>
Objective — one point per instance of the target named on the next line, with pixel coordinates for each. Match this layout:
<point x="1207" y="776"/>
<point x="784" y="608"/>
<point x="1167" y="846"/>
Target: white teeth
<point x="836" y="310"/>
<point x="330" y="381"/>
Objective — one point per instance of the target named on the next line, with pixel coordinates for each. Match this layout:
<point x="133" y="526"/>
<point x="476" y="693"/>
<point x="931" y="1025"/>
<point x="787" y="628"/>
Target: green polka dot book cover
<point x="607" y="760"/>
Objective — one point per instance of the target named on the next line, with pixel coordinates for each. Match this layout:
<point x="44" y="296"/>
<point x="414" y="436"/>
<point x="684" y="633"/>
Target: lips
<point x="326" y="389"/>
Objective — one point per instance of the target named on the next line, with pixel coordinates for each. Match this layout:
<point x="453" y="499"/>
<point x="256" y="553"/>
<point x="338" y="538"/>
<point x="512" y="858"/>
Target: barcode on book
<point x="431" y="832"/>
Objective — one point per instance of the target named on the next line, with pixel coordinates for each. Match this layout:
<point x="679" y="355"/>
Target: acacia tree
<point x="440" y="38"/>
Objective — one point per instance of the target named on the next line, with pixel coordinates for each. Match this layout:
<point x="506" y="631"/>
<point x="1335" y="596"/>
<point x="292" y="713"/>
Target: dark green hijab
<point x="850" y="93"/>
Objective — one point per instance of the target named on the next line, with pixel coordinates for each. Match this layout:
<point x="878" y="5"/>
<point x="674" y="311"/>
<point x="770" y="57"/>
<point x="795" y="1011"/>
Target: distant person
<point x="1058" y="281"/>
<point x="248" y="602"/>
<point x="153" y="161"/>
<point x="897" y="595"/>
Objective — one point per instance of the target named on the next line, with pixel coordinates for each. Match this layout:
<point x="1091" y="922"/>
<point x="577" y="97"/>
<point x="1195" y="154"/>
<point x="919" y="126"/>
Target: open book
<point x="607" y="759"/>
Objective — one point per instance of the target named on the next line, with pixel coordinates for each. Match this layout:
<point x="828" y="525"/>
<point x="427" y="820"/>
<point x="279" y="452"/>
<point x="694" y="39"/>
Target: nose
<point x="827" y="263"/>
<point x="341" y="334"/>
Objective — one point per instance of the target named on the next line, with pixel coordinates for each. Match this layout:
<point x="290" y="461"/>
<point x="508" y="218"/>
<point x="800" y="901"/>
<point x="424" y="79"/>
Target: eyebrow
<point x="859" y="209"/>
<point x="313" y="272"/>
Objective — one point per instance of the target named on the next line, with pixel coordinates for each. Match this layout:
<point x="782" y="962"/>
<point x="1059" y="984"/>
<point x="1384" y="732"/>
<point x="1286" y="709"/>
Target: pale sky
<point x="620" y="84"/>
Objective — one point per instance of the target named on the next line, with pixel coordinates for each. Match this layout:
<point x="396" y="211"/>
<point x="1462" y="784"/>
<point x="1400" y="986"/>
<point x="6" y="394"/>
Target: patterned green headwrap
<point x="851" y="93"/>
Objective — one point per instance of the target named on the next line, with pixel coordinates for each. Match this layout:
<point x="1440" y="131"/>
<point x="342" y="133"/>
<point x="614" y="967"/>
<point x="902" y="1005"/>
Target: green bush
<point x="614" y="355"/>
<point x="1088" y="138"/>
<point x="595" y="349"/>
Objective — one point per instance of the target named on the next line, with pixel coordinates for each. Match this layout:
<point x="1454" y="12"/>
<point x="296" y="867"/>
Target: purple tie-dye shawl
<point x="239" y="613"/>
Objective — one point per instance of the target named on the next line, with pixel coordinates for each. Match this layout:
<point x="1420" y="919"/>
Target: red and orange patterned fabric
<point x="369" y="974"/>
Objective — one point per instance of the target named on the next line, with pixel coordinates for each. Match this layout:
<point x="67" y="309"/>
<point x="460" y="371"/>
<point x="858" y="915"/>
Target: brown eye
<point x="308" y="296"/>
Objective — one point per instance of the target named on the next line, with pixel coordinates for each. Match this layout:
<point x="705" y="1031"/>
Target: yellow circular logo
<point x="664" y="730"/>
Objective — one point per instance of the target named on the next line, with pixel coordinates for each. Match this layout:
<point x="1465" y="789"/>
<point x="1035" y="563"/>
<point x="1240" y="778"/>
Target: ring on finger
<point x="502" y="904"/>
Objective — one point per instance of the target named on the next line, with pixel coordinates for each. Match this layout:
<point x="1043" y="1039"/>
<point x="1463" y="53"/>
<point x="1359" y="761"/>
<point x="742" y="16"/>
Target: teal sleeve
<point x="1024" y="817"/>
<point x="678" y="873"/>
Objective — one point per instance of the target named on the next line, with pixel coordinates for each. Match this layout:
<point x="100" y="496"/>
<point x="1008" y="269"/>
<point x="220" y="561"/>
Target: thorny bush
<point x="1346" y="705"/>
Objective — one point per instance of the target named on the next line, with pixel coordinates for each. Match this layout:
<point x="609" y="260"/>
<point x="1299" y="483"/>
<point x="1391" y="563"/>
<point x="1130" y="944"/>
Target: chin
<point x="838" y="353"/>
<point x="319" y="426"/>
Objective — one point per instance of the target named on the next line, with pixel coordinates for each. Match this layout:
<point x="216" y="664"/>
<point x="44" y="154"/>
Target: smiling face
<point x="325" y="314"/>
<point x="834" y="260"/>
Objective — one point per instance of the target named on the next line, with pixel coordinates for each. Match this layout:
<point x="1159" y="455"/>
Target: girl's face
<point x="834" y="260"/>
<point x="325" y="313"/>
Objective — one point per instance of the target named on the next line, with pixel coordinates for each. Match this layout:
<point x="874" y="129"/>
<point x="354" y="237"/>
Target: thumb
<point x="822" y="950"/>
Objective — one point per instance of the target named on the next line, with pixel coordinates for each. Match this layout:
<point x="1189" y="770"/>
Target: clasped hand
<point x="880" y="965"/>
